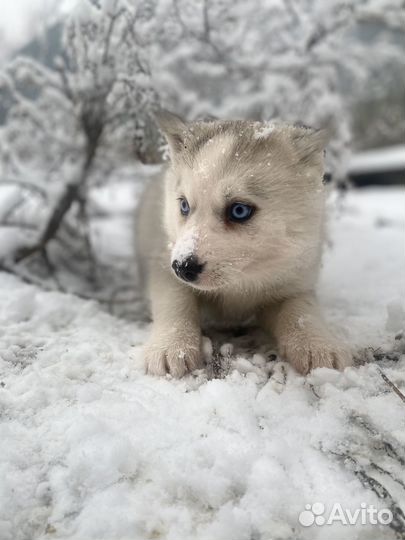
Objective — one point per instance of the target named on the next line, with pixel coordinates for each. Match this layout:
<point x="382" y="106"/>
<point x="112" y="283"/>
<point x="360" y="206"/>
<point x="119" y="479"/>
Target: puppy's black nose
<point x="188" y="269"/>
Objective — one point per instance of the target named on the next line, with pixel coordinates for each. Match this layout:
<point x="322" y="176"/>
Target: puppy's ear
<point x="310" y="143"/>
<point x="173" y="128"/>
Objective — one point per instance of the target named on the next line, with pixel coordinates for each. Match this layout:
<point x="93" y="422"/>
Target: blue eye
<point x="240" y="212"/>
<point x="184" y="206"/>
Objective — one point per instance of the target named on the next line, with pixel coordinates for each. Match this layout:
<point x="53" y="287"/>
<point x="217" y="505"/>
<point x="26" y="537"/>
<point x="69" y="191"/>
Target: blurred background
<point x="80" y="81"/>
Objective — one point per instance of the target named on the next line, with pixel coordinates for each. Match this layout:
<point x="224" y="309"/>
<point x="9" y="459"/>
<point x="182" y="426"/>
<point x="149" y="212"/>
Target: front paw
<point x="173" y="353"/>
<point x="305" y="353"/>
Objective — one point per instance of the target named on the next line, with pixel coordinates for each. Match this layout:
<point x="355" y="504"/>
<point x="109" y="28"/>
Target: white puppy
<point x="235" y="230"/>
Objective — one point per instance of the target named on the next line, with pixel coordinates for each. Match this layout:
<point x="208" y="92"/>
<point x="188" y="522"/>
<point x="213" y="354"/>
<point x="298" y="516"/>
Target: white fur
<point x="265" y="268"/>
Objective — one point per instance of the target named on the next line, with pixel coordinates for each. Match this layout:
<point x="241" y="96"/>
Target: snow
<point x="92" y="448"/>
<point x="264" y="131"/>
<point x="185" y="245"/>
<point x="378" y="159"/>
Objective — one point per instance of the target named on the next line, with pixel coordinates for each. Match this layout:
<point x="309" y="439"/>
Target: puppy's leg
<point x="302" y="336"/>
<point x="174" y="344"/>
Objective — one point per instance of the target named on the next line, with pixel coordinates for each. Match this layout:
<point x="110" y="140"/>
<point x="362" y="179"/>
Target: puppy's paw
<point x="305" y="354"/>
<point x="174" y="354"/>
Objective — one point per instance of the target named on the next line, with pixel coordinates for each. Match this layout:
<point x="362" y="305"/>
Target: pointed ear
<point x="173" y="128"/>
<point x="310" y="143"/>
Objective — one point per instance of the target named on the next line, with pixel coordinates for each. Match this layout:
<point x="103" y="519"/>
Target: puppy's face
<point x="243" y="201"/>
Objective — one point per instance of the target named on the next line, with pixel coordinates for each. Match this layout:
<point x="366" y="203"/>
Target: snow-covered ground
<point x="91" y="448"/>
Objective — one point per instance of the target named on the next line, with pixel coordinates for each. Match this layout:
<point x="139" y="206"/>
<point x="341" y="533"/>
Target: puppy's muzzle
<point x="189" y="269"/>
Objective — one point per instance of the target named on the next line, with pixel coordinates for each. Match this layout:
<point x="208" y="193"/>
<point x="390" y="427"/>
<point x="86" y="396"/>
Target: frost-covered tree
<point x="297" y="60"/>
<point x="67" y="128"/>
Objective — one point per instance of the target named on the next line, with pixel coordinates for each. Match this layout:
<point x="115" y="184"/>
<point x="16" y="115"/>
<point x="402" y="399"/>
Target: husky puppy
<point x="234" y="230"/>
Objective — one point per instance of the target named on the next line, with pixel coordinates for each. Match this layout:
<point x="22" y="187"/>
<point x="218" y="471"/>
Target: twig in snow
<point x="398" y="522"/>
<point x="381" y="470"/>
<point x="312" y="388"/>
<point x="379" y="439"/>
<point x="392" y="385"/>
<point x="217" y="369"/>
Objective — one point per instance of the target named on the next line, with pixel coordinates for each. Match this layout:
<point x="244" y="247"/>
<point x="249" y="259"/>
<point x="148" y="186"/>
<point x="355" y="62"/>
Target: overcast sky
<point x="22" y="19"/>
